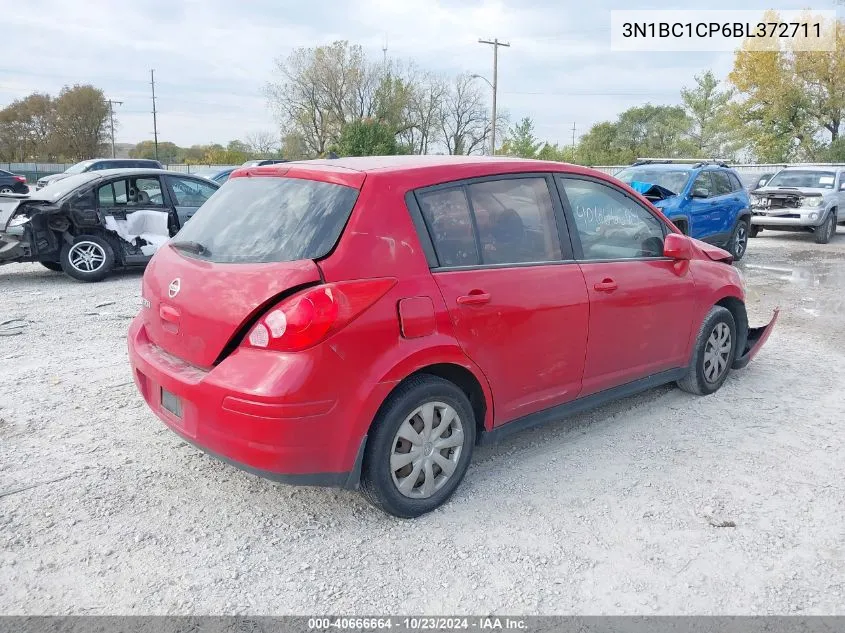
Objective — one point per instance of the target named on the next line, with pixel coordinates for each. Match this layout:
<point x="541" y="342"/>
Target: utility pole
<point x="155" y="124"/>
<point x="112" y="103"/>
<point x="384" y="53"/>
<point x="496" y="44"/>
<point x="573" y="134"/>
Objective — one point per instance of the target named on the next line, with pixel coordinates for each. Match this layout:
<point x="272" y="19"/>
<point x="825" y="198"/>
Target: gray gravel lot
<point x="104" y="511"/>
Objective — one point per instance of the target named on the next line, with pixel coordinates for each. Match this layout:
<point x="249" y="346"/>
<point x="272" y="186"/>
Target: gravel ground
<point x="104" y="511"/>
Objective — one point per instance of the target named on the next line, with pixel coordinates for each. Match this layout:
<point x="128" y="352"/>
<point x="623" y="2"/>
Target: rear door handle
<point x="606" y="285"/>
<point x="474" y="298"/>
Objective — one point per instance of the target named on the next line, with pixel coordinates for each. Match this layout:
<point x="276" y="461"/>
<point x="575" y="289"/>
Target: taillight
<point x="311" y="316"/>
<point x="20" y="178"/>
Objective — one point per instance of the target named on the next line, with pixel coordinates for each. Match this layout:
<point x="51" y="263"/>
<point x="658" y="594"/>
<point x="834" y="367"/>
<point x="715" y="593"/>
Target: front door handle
<point x="474" y="298"/>
<point x="606" y="285"/>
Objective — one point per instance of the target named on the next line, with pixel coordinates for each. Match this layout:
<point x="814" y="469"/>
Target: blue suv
<point x="705" y="199"/>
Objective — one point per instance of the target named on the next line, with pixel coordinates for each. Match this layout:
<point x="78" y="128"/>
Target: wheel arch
<point x="453" y="366"/>
<point x="737" y="309"/>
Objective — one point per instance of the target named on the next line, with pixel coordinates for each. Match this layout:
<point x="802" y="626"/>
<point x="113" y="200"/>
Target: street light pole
<point x="496" y="44"/>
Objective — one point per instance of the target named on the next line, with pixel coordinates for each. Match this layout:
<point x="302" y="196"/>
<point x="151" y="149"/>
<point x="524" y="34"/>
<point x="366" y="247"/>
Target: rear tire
<point x="411" y="464"/>
<point x="6" y="189"/>
<point x="54" y="266"/>
<point x="89" y="258"/>
<point x="826" y="230"/>
<point x="739" y="239"/>
<point x="713" y="354"/>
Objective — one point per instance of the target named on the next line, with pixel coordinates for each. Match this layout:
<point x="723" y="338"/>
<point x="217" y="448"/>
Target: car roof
<point x="830" y="168"/>
<point x="416" y="171"/>
<point x="137" y="171"/>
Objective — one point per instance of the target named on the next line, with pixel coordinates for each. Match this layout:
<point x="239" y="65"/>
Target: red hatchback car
<point x="370" y="320"/>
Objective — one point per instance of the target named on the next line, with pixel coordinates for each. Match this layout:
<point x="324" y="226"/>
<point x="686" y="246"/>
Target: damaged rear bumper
<point x="757" y="337"/>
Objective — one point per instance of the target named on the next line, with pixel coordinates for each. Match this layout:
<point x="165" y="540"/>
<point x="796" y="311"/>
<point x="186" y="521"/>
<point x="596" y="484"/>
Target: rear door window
<point x="450" y="225"/>
<point x="515" y="220"/>
<point x="268" y="219"/>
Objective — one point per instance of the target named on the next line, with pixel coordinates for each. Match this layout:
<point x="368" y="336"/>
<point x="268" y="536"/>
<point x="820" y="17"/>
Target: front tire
<point x="826" y="231"/>
<point x="754" y="231"/>
<point x="88" y="258"/>
<point x="739" y="239"/>
<point x="713" y="355"/>
<point x="419" y="447"/>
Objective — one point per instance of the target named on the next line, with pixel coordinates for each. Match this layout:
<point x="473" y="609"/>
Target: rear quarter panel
<point x="380" y="241"/>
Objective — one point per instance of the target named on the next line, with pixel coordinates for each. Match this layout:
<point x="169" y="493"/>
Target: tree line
<point x="70" y="126"/>
<point x="774" y="106"/>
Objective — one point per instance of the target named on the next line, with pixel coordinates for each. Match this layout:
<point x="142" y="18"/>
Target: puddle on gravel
<point x="824" y="274"/>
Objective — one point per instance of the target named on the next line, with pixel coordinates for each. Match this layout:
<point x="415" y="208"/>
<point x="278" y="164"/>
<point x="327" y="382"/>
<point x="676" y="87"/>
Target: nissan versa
<point x="370" y="320"/>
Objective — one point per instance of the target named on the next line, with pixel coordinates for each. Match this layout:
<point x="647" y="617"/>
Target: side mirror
<point x="700" y="193"/>
<point x="677" y="246"/>
<point x="842" y="186"/>
<point x="762" y="183"/>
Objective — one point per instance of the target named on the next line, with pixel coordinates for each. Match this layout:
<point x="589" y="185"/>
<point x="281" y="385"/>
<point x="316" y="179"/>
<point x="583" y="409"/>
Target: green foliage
<point x="72" y="126"/>
<point x="711" y="130"/>
<point x="520" y="140"/>
<point x="368" y="137"/>
<point x="788" y="101"/>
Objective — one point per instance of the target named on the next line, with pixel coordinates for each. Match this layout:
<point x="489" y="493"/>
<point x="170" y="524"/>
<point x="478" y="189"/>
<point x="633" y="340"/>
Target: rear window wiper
<point x="191" y="247"/>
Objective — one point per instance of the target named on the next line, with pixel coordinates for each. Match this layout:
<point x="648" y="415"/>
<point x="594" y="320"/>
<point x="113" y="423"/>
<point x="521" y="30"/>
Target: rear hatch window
<point x="263" y="219"/>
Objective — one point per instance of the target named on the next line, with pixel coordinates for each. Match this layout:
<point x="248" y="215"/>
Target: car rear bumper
<point x="300" y="437"/>
<point x="757" y="337"/>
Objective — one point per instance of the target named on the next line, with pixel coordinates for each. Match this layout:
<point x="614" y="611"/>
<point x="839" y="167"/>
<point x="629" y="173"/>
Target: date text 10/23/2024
<point x="417" y="623"/>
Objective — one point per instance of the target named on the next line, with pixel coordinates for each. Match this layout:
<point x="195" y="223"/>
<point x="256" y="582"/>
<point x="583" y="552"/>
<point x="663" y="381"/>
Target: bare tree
<point x="322" y="89"/>
<point x="423" y="111"/>
<point x="262" y="142"/>
<point x="465" y="124"/>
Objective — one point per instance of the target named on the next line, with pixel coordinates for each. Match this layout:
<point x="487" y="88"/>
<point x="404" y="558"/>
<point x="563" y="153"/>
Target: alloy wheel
<point x="6" y="190"/>
<point x="717" y="352"/>
<point x="426" y="449"/>
<point x="86" y="257"/>
<point x="741" y="240"/>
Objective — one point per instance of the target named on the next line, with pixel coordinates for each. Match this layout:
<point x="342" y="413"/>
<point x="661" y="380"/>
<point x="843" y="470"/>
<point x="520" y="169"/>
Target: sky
<point x="212" y="58"/>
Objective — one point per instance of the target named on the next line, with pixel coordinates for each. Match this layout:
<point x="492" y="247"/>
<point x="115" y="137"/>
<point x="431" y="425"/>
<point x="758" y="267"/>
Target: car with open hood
<point x="91" y="223"/>
<point x="805" y="198"/>
<point x="370" y="320"/>
<point x="705" y="199"/>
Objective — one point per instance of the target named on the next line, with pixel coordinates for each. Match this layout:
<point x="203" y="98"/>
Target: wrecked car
<point x="705" y="199"/>
<point x="92" y="223"/>
<point x="806" y="198"/>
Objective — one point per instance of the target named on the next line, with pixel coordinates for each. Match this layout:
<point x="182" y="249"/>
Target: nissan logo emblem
<point x="173" y="288"/>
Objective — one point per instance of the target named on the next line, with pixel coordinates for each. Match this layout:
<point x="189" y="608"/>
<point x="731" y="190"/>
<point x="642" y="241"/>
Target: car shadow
<point x="14" y="275"/>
